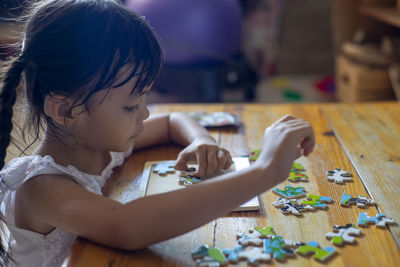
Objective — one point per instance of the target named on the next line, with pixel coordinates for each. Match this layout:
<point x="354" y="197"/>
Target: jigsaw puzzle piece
<point x="287" y="206"/>
<point x="343" y="234"/>
<point x="163" y="168"/>
<point x="206" y="256"/>
<point x="297" y="173"/>
<point x="207" y="262"/>
<point x="266" y="232"/>
<point x="254" y="256"/>
<point x="320" y="254"/>
<point x="232" y="255"/>
<point x="276" y="247"/>
<point x="252" y="238"/>
<point x="338" y="176"/>
<point x="290" y="192"/>
<point x="361" y="201"/>
<point x="380" y="220"/>
<point x="316" y="201"/>
<point x="254" y="154"/>
<point x="297" y="177"/>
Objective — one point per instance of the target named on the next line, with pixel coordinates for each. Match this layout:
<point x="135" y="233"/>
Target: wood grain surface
<point x="362" y="138"/>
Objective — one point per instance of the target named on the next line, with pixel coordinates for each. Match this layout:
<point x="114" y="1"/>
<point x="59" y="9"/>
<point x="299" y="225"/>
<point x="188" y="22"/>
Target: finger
<point x="308" y="145"/>
<point x="211" y="162"/>
<point x="287" y="117"/>
<point x="221" y="161"/>
<point x="229" y="160"/>
<point x="181" y="162"/>
<point x="298" y="152"/>
<point x="201" y="157"/>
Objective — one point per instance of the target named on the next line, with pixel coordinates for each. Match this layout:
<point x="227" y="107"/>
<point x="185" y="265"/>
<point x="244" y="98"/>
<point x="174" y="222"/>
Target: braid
<point x="8" y="97"/>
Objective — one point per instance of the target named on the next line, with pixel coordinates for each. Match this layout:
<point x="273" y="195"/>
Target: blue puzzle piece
<point x="320" y="254"/>
<point x="317" y="201"/>
<point x="275" y="247"/>
<point x="361" y="201"/>
<point x="290" y="191"/>
<point x="163" y="168"/>
<point x="380" y="220"/>
<point x="233" y="254"/>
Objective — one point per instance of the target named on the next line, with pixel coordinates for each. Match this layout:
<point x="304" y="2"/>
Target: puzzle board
<point x="156" y="184"/>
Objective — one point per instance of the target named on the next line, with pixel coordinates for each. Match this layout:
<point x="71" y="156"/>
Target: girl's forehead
<point x="123" y="73"/>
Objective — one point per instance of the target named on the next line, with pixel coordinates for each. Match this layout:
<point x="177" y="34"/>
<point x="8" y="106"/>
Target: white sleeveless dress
<point x="30" y="248"/>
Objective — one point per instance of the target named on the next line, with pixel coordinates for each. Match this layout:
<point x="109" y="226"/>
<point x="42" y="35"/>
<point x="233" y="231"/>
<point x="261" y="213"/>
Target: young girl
<point x="88" y="66"/>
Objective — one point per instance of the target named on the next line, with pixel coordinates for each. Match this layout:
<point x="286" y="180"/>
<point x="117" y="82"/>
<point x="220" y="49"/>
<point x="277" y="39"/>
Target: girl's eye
<point x="132" y="108"/>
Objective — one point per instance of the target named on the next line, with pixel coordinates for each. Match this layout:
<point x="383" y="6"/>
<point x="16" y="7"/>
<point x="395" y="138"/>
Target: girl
<point x="88" y="66"/>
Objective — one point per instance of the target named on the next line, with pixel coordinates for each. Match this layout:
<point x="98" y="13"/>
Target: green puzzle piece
<point x="296" y="173"/>
<point x="290" y="191"/>
<point x="316" y="201"/>
<point x="265" y="231"/>
<point x="312" y="247"/>
<point x="254" y="154"/>
<point x="337" y="240"/>
<point x="276" y="247"/>
<point x="297" y="167"/>
<point x="216" y="254"/>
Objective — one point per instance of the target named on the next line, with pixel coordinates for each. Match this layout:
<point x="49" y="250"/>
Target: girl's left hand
<point x="207" y="154"/>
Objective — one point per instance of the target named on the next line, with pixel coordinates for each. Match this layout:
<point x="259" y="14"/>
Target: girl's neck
<point x="84" y="159"/>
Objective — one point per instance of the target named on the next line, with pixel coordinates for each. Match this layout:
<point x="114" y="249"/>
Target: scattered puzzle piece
<point x="380" y="220"/>
<point x="163" y="168"/>
<point x="297" y="177"/>
<point x="296" y="173"/>
<point x="252" y="238"/>
<point x="216" y="254"/>
<point x="343" y="234"/>
<point x="290" y="192"/>
<point x="287" y="206"/>
<point x="266" y="232"/>
<point x="276" y="248"/>
<point x="312" y="247"/>
<point x="188" y="180"/>
<point x="254" y="154"/>
<point x="206" y="256"/>
<point x="207" y="262"/>
<point x="233" y="254"/>
<point x="254" y="256"/>
<point x="297" y="167"/>
<point x="361" y="201"/>
<point x="200" y="252"/>
<point x="338" y="176"/>
<point x="316" y="201"/>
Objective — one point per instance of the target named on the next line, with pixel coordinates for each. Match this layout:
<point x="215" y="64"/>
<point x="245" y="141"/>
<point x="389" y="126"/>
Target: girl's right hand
<point x="284" y="141"/>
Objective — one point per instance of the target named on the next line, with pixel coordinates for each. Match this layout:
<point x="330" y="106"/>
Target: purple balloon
<point x="193" y="31"/>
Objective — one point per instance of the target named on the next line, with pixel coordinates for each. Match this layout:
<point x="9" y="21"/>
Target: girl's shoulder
<point x="21" y="169"/>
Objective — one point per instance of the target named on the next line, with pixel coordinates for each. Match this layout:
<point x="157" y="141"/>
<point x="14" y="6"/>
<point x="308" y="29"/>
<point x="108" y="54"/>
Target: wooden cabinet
<point x="366" y="22"/>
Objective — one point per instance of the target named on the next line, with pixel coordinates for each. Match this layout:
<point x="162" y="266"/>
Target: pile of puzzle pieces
<point x="263" y="244"/>
<point x="260" y="245"/>
<point x="287" y="205"/>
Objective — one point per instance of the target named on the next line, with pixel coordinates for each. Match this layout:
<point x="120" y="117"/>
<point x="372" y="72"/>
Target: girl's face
<point x="115" y="117"/>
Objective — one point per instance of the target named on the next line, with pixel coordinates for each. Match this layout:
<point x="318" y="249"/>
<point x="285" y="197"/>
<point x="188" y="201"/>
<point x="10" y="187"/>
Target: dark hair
<point x="75" y="48"/>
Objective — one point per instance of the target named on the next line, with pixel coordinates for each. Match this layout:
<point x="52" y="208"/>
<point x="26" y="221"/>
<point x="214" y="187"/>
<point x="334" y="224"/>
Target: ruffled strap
<point x="14" y="173"/>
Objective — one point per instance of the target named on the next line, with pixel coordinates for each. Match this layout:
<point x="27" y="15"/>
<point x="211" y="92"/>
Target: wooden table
<point x="366" y="142"/>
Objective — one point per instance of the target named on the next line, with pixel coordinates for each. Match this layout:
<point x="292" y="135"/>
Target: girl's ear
<point x="58" y="107"/>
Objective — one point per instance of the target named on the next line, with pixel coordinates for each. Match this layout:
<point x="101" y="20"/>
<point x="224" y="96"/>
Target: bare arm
<point x="59" y="202"/>
<point x="177" y="128"/>
<point x="180" y="129"/>
<point x="47" y="201"/>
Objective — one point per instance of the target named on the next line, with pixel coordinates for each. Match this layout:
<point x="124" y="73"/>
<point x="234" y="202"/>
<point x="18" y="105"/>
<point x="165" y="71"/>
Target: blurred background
<point x="266" y="50"/>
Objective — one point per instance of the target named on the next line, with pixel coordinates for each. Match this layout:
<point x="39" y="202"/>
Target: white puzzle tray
<point x="153" y="183"/>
